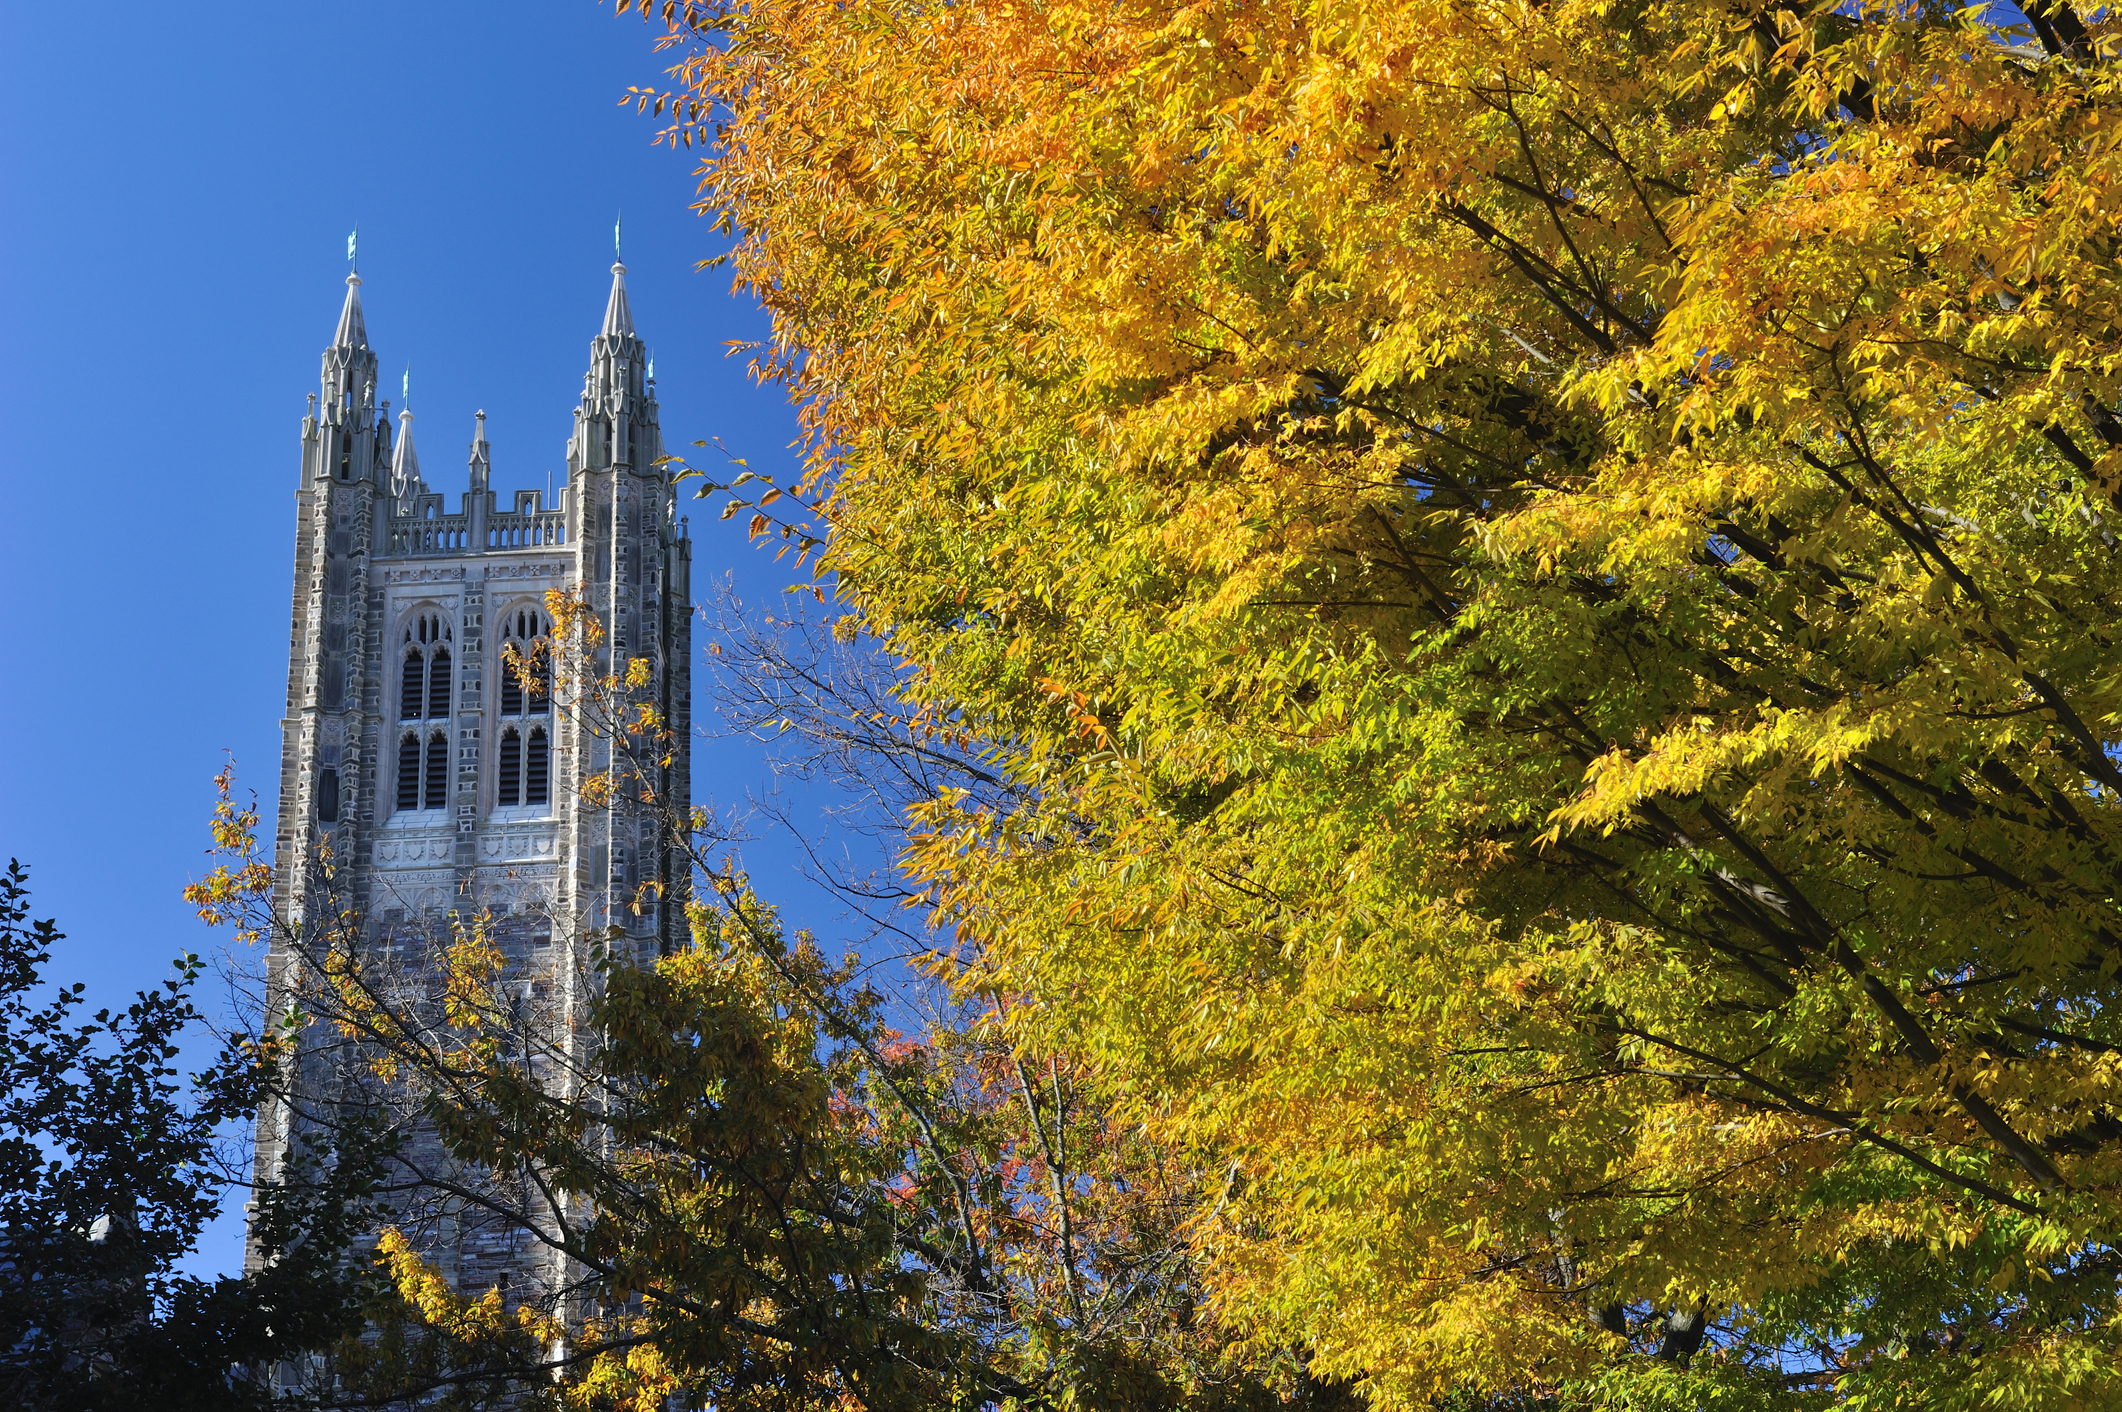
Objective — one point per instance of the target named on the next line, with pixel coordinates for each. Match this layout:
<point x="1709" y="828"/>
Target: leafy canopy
<point x="1543" y="575"/>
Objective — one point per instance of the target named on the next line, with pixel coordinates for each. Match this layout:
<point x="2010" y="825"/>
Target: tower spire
<point x="616" y="423"/>
<point x="353" y="329"/>
<point x="618" y="314"/>
<point x="405" y="463"/>
<point x="482" y="458"/>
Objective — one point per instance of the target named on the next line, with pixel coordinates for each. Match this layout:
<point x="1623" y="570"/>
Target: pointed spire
<point x="405" y="462"/>
<point x="618" y="315"/>
<point x="482" y="458"/>
<point x="353" y="330"/>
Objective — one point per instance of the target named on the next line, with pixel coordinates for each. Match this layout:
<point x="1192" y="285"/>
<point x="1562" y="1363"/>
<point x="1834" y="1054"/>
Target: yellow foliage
<point x="1543" y="577"/>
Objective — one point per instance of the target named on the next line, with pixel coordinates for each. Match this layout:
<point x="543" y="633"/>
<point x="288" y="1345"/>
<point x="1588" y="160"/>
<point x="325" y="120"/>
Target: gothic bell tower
<point x="437" y="784"/>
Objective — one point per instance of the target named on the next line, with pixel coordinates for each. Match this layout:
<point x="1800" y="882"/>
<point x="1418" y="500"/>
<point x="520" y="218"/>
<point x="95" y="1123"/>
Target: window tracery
<point x="424" y="703"/>
<point x="526" y="663"/>
<point x="523" y="757"/>
<point x="424" y="682"/>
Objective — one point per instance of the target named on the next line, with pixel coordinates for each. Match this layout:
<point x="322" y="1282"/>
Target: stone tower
<point x="441" y="788"/>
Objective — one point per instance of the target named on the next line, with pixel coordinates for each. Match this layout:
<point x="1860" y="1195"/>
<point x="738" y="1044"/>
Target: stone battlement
<point x="427" y="531"/>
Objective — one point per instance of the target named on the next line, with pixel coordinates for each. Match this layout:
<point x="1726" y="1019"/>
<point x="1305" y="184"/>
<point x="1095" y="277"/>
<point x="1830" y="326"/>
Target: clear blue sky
<point x="179" y="182"/>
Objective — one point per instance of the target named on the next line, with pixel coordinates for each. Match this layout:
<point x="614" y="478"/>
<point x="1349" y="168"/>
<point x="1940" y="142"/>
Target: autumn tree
<point x="1542" y="580"/>
<point x="761" y="1194"/>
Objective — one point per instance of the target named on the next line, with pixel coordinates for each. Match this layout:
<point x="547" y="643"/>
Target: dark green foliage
<point x="109" y="1169"/>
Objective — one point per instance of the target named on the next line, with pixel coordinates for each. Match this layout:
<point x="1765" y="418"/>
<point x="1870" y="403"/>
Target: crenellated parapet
<point x="419" y="526"/>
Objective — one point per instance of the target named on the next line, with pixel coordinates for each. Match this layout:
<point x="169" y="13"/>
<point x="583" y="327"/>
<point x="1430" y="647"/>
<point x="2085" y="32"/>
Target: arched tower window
<point x="423" y="689"/>
<point x="435" y="783"/>
<point x="424" y="758"/>
<point x="536" y="770"/>
<point x="510" y="773"/>
<point x="526" y="663"/>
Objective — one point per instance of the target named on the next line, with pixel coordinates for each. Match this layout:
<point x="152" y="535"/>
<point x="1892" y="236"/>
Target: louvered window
<point x="423" y="692"/>
<point x="534" y="768"/>
<point x="526" y="664"/>
<point x="409" y="772"/>
<point x="412" y="693"/>
<point x="436" y="794"/>
<point x="438" y="683"/>
<point x="511" y="772"/>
